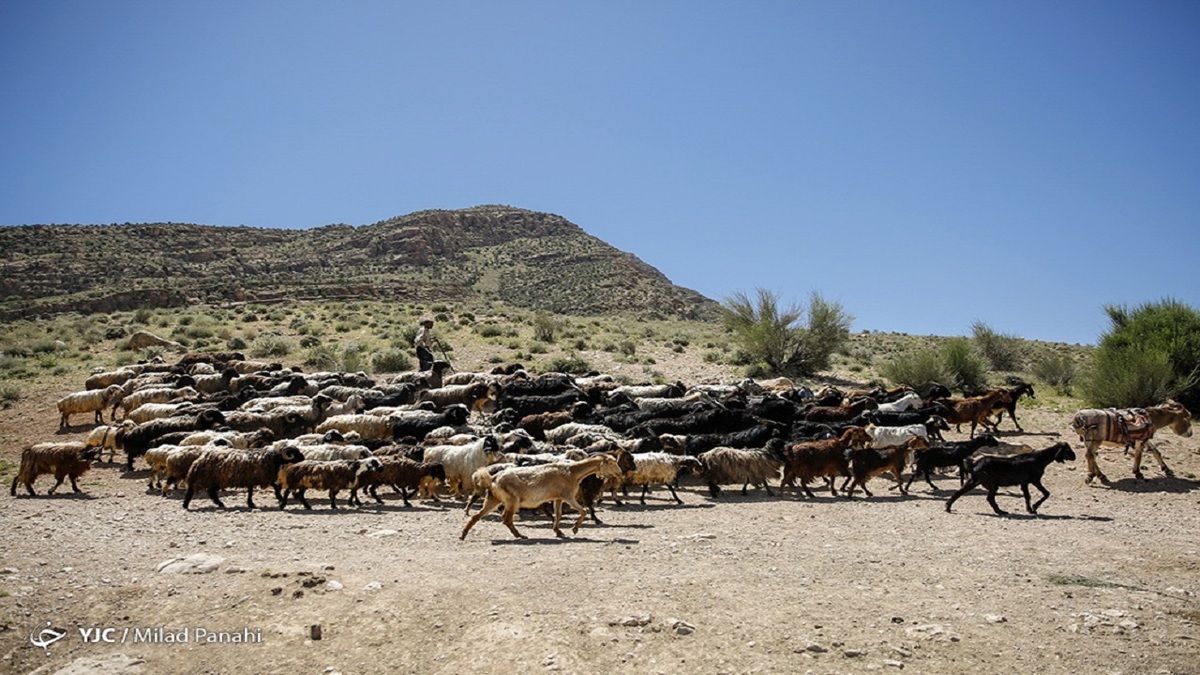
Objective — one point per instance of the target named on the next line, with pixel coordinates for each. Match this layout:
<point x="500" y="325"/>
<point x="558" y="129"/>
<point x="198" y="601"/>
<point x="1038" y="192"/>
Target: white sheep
<point x="461" y="461"/>
<point x="105" y="437"/>
<point x="156" y="395"/>
<point x="561" y="434"/>
<point x="661" y="468"/>
<point x="93" y="401"/>
<point x="366" y="426"/>
<point x="153" y="411"/>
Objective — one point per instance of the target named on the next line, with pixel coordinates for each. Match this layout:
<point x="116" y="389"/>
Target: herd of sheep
<point x="216" y="421"/>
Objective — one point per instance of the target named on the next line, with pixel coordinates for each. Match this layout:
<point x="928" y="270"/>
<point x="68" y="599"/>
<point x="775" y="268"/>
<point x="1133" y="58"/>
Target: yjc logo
<point x="46" y="636"/>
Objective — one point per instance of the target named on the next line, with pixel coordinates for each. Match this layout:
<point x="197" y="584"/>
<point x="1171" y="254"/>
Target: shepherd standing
<point x="422" y="342"/>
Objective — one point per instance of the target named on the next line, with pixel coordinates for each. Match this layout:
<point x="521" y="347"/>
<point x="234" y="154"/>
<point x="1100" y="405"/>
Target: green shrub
<point x="1056" y="370"/>
<point x="321" y="357"/>
<point x="310" y="341"/>
<point x="115" y="332"/>
<point x="235" y="343"/>
<point x="771" y="335"/>
<point x="391" y="361"/>
<point x="1003" y="352"/>
<point x="1133" y="350"/>
<point x="545" y="327"/>
<point x="917" y="369"/>
<point x="270" y="345"/>
<point x="142" y="316"/>
<point x="486" y="330"/>
<point x="1128" y="378"/>
<point x="573" y="364"/>
<point x="10" y="393"/>
<point x="966" y="367"/>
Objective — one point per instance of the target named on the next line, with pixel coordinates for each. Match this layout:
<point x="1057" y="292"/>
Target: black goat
<point x="954" y="453"/>
<point x="994" y="471"/>
<point x="695" y="444"/>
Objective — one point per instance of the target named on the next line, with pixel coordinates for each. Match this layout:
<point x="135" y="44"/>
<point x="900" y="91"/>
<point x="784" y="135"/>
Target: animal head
<point x="691" y="465"/>
<point x="937" y="422"/>
<point x="774" y="448"/>
<point x="1182" y="423"/>
<point x="333" y="436"/>
<point x="856" y="436"/>
<point x="290" y="454"/>
<point x="457" y="414"/>
<point x="368" y="465"/>
<point x="490" y="445"/>
<point x="917" y="443"/>
<point x="210" y="418"/>
<point x="1063" y="452"/>
<point x="89" y="454"/>
<point x="434" y="470"/>
<point x="987" y="440"/>
<point x="609" y="467"/>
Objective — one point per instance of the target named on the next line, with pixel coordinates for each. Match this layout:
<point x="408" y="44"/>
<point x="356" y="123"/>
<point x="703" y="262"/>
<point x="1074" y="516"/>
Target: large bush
<point x="1003" y="352"/>
<point x="954" y="364"/>
<point x="774" y="340"/>
<point x="1149" y="353"/>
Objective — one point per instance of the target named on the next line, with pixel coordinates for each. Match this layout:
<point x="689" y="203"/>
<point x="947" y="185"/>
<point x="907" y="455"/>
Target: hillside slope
<point x="524" y="258"/>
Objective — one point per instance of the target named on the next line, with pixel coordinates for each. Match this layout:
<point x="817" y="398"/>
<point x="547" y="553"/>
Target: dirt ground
<point x="1105" y="580"/>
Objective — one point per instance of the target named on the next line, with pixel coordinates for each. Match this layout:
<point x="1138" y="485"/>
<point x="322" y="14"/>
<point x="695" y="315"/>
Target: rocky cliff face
<point x="521" y="257"/>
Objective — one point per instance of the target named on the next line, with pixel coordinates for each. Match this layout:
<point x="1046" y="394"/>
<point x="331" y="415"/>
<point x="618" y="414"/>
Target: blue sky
<point x="925" y="164"/>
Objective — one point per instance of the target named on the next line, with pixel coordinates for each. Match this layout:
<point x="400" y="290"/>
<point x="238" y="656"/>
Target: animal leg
<point x="714" y="489"/>
<point x="744" y="486"/>
<point x="74" y="485"/>
<point x="991" y="497"/>
<point x="300" y="496"/>
<point x="403" y="496"/>
<point x="970" y="484"/>
<point x="558" y="518"/>
<point x="578" y="521"/>
<point x="215" y="496"/>
<point x="1093" y="466"/>
<point x="1137" y="459"/>
<point x="187" y="496"/>
<point x="283" y="499"/>
<point x="250" y="496"/>
<point x="509" y="514"/>
<point x="333" y="499"/>
<point x="55" y="486"/>
<point x="1158" y="456"/>
<point x="646" y="489"/>
<point x="489" y="504"/>
<point x="766" y="486"/>
<point x="1045" y="495"/>
<point x="676" y="496"/>
<point x="1025" y="491"/>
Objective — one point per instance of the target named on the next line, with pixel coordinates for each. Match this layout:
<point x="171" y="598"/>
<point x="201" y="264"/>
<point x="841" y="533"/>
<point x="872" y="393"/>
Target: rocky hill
<point x="520" y="257"/>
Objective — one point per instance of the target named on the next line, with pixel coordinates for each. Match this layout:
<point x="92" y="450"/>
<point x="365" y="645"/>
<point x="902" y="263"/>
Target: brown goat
<point x="977" y="410"/>
<point x="866" y="463"/>
<point x="821" y="459"/>
<point x="532" y="486"/>
<point x="841" y="413"/>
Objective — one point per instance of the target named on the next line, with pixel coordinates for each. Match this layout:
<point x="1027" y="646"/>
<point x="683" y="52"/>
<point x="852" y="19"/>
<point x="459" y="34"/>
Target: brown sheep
<point x="213" y="471"/>
<point x="334" y="475"/>
<point x="61" y="459"/>
<point x="403" y="474"/>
